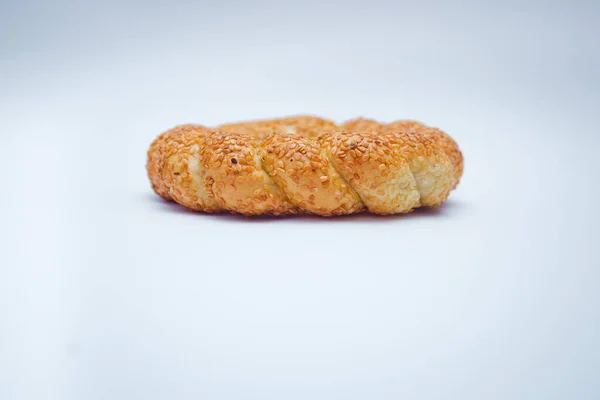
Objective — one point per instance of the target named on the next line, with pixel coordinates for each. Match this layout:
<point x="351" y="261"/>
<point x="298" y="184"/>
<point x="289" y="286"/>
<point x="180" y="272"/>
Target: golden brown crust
<point x="362" y="125"/>
<point x="430" y="166"/>
<point x="162" y="148"/>
<point x="380" y="176"/>
<point x="449" y="146"/>
<point x="305" y="164"/>
<point x="441" y="139"/>
<point x="239" y="181"/>
<point x="302" y="169"/>
<point x="303" y="125"/>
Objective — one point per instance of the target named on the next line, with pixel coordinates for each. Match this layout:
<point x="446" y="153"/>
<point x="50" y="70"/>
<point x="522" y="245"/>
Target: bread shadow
<point x="448" y="208"/>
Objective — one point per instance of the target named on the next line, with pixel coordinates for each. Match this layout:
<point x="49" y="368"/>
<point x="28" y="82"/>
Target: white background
<point x="107" y="292"/>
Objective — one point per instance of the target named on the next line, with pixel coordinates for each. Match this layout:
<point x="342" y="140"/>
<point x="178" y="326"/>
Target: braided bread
<point x="305" y="165"/>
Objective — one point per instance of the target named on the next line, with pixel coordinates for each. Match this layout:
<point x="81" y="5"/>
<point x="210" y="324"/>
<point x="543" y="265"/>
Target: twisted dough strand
<point x="290" y="166"/>
<point x="440" y="138"/>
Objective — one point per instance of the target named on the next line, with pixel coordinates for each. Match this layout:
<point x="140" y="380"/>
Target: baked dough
<point x="306" y="165"/>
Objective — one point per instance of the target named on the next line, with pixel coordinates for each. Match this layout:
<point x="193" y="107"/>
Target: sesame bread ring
<point x="305" y="165"/>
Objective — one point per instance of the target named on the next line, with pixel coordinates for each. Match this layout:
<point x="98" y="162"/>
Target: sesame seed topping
<point x="385" y="168"/>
